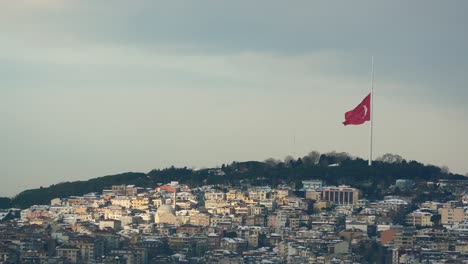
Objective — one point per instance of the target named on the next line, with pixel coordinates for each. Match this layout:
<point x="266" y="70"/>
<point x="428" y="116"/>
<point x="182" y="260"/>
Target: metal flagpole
<point x="371" y="112"/>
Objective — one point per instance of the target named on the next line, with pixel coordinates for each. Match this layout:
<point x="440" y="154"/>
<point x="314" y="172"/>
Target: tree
<point x="390" y="158"/>
<point x="271" y="162"/>
<point x="312" y="158"/>
<point x="5" y="202"/>
<point x="262" y="240"/>
<point x="8" y="217"/>
<point x="288" y="161"/>
<point x="445" y="169"/>
<point x="371" y="251"/>
<point x="298" y="185"/>
<point x="333" y="158"/>
<point x="397" y="191"/>
<point x="399" y="217"/>
<point x="436" y="219"/>
<point x="342" y="156"/>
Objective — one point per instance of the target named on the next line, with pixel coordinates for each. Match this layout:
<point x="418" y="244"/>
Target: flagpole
<point x="371" y="112"/>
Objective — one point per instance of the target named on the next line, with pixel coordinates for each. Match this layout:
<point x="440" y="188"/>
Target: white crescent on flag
<point x="365" y="112"/>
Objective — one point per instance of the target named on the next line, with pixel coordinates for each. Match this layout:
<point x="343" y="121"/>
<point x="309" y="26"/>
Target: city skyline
<point x="89" y="90"/>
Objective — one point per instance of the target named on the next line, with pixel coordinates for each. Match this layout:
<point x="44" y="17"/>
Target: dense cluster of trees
<point x="335" y="168"/>
<point x="5" y="202"/>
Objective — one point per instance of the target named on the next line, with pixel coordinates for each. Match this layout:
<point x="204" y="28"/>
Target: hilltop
<point x="334" y="168"/>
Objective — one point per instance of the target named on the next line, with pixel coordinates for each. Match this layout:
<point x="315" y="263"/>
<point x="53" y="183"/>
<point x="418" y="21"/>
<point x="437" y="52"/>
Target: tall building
<point x="341" y="194"/>
<point x="452" y="213"/>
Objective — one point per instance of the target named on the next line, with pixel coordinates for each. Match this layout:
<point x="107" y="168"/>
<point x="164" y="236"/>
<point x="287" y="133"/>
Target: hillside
<point x="334" y="168"/>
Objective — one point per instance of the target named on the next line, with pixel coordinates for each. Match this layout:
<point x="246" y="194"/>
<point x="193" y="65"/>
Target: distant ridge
<point x="344" y="169"/>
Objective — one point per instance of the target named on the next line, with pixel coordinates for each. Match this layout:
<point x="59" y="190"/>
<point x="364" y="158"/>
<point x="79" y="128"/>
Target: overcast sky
<point x="90" y="88"/>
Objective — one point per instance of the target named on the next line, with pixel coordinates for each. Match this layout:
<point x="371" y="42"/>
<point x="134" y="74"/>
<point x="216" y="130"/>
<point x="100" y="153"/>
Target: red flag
<point x="360" y="114"/>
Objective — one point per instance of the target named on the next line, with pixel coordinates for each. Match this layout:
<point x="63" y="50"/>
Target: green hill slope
<point x="334" y="168"/>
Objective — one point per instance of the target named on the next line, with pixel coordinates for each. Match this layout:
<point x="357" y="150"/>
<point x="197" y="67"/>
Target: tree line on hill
<point x="335" y="168"/>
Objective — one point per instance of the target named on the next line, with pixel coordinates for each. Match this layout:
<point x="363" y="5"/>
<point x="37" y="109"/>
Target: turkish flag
<point x="360" y="114"/>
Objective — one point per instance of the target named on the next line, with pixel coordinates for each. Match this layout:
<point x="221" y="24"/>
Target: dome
<point x="166" y="208"/>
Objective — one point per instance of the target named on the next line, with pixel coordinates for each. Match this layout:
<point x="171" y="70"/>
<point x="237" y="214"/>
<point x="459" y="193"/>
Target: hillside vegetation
<point x="334" y="168"/>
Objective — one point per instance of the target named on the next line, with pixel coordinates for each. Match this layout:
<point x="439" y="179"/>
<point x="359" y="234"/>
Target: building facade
<point x="344" y="195"/>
